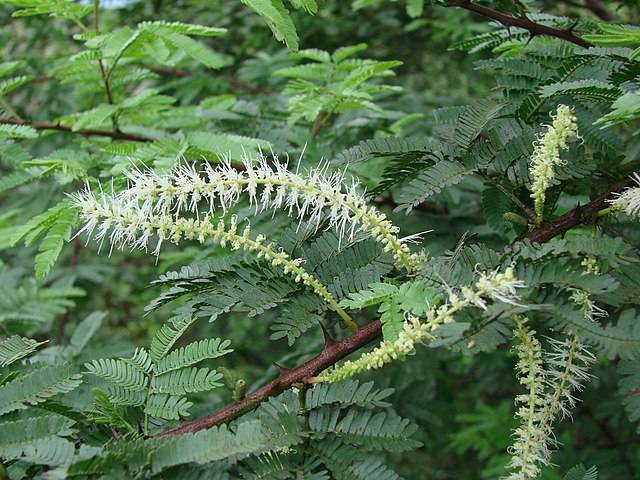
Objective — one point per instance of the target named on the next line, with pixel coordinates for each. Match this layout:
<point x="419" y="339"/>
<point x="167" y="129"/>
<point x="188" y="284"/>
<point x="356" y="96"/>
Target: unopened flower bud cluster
<point x="546" y="155"/>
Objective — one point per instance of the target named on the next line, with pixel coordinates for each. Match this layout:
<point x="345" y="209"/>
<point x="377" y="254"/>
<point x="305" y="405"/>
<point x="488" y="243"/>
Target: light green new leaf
<point x="196" y="50"/>
<point x="310" y="6"/>
<point x="377" y="293"/>
<point x="56" y="8"/>
<point x="17" y="131"/>
<point x="56" y="225"/>
<point x="11" y="84"/>
<point x="184" y="28"/>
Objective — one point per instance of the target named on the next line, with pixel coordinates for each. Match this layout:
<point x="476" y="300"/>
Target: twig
<point x="332" y="353"/>
<point x="577" y="216"/>
<point x="105" y="80"/>
<point x="87" y="132"/>
<point x="516" y="201"/>
<point x="533" y="28"/>
<point x="103" y="72"/>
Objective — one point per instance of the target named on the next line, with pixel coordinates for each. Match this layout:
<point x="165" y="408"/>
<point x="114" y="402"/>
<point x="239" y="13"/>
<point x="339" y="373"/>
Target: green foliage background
<point x="439" y="126"/>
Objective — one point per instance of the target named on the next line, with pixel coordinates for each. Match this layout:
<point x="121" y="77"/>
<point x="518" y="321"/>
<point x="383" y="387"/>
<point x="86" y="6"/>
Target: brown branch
<point x="533" y="28"/>
<point x="333" y="352"/>
<point x="577" y="216"/>
<point x="87" y="132"/>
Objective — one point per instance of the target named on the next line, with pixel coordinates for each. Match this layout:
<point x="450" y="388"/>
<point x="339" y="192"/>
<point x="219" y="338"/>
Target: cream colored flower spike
<point x="546" y="156"/>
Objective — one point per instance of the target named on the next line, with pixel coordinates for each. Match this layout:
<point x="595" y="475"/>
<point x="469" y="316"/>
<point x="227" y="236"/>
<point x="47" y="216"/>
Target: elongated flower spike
<point x="629" y="200"/>
<point x="127" y="224"/>
<point x="551" y="378"/>
<point x="495" y="285"/>
<point x="531" y="374"/>
<point x="546" y="155"/>
<point x="314" y="196"/>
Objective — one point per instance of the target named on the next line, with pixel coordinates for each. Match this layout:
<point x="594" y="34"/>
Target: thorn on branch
<point x="573" y="26"/>
<point x="329" y="341"/>
<point x="531" y="37"/>
<point x="578" y="213"/>
<point x="281" y="370"/>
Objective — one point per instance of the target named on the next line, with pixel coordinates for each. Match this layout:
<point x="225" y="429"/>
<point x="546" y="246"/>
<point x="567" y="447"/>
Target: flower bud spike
<point x="546" y="155"/>
<point x="491" y="285"/>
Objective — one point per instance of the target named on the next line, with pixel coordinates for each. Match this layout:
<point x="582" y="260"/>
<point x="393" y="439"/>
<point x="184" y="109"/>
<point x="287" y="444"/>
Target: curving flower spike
<point x="133" y="225"/>
<point x="268" y="186"/>
<point x="527" y="453"/>
<point x="491" y="286"/>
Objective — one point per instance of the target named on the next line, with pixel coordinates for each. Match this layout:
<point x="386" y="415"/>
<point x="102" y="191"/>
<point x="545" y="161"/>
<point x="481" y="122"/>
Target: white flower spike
<point x="314" y="196"/>
<point x="629" y="200"/>
<point x="551" y="380"/>
<point x="128" y="224"/>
